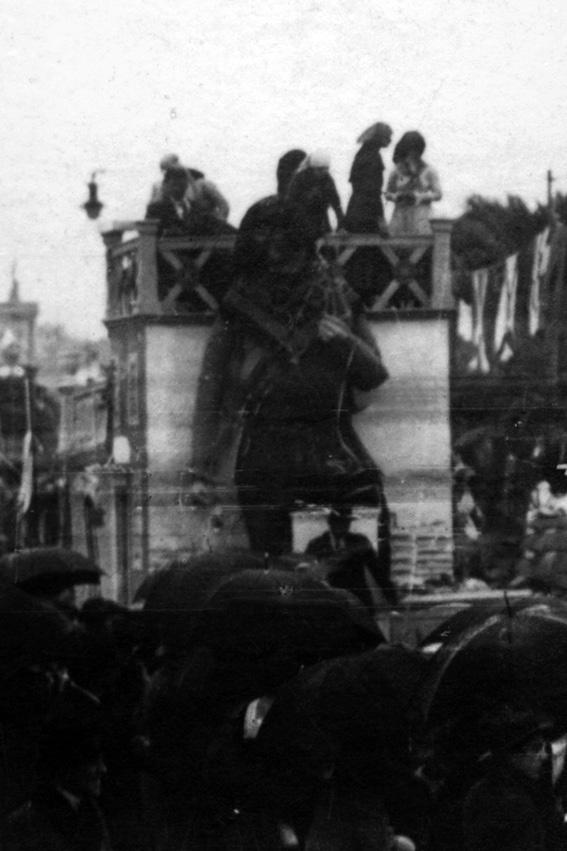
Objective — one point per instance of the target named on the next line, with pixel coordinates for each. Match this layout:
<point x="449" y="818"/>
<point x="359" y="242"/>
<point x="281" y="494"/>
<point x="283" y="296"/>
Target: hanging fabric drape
<point x="480" y="362"/>
<point x="504" y="329"/>
<point x="542" y="251"/>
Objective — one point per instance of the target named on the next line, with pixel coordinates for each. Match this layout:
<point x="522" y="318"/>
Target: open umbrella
<point x="31" y="632"/>
<point x="255" y="611"/>
<point x="48" y="570"/>
<point x="517" y="653"/>
<point x="174" y="597"/>
<point x="349" y="718"/>
<point x="187" y="585"/>
<point x="233" y="599"/>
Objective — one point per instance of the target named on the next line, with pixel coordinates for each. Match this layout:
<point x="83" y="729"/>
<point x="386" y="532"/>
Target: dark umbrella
<point x="259" y="611"/>
<point x="349" y="718"/>
<point x="48" y="570"/>
<point x="174" y="597"/>
<point x="33" y="634"/>
<point x="516" y="653"/>
<point x="31" y="631"/>
<point x="459" y="620"/>
<point x="187" y="585"/>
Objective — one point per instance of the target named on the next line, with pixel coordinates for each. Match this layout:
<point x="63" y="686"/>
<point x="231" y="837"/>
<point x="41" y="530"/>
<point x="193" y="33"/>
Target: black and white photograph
<point x="283" y="425"/>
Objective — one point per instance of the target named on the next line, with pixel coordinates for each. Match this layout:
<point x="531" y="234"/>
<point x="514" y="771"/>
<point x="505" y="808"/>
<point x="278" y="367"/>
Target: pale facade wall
<point x="405" y="427"/>
<point x="173" y="363"/>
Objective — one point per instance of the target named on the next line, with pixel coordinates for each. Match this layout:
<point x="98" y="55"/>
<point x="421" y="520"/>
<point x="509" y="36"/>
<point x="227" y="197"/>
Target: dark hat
<point x="344" y="511"/>
<point x="506" y="728"/>
<point x="176" y="172"/>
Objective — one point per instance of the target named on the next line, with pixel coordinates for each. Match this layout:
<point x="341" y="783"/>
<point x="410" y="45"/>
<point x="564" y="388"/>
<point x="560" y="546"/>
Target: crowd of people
<point x="250" y="706"/>
<point x="184" y="200"/>
<point x="185" y="203"/>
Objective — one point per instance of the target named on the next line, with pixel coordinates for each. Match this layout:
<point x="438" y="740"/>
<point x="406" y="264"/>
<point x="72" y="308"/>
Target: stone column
<point x="148" y="302"/>
<point x="442" y="293"/>
<point x="112" y="239"/>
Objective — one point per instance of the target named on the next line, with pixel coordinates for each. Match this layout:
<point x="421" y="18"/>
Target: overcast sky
<point x="231" y="84"/>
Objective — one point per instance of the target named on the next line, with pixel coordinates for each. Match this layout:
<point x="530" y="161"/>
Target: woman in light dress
<point x="413" y="186"/>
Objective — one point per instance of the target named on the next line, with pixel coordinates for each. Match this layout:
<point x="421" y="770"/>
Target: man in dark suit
<point x="172" y="210"/>
<point x="177" y="218"/>
<point x="352" y="561"/>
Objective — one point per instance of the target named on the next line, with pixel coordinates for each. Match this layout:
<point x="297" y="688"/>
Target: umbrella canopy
<point x="349" y="717"/>
<point x="31" y="632"/>
<point x="258" y="611"/>
<point x="457" y="621"/>
<point x="174" y="597"/>
<point x="48" y="570"/>
<point x="187" y="585"/>
<point x="232" y="601"/>
<point x="517" y="653"/>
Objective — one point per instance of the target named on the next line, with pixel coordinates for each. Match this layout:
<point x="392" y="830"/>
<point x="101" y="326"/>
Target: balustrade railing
<point x="409" y="273"/>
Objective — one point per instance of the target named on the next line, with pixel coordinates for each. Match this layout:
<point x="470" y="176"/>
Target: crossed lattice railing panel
<point x="412" y="272"/>
<point x="404" y="256"/>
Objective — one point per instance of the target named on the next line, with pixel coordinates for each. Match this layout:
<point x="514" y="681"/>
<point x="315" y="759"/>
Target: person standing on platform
<point x="313" y="190"/>
<point x="413" y="186"/>
<point x="368" y="271"/>
<point x="365" y="211"/>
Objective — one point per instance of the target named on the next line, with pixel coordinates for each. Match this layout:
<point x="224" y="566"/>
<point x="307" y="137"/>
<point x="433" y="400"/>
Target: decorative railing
<point x="415" y="271"/>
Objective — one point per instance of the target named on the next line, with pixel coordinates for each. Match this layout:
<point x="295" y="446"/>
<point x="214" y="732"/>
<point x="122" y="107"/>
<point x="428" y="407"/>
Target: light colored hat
<point x="319" y="159"/>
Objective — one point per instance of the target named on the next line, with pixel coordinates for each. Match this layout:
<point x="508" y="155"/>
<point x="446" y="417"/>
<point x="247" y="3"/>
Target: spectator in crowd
<point x="313" y="190"/>
<point x="251" y="254"/>
<point x="168" y="161"/>
<point x="413" y="186"/>
<point x="63" y="812"/>
<point x="288" y="164"/>
<point x="205" y="197"/>
<point x="173" y="215"/>
<point x="351" y="560"/>
<point x="172" y="209"/>
<point x="514" y="807"/>
<point x="177" y="218"/>
<point x="368" y="271"/>
<point x="365" y="211"/>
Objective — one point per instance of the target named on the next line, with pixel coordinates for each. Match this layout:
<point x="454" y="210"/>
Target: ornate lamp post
<point x="92" y="205"/>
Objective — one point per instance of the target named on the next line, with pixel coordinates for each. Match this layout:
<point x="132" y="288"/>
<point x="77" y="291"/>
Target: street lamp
<point x="92" y="205"/>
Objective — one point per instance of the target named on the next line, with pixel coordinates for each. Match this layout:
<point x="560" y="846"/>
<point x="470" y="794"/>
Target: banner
<point x="504" y="328"/>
